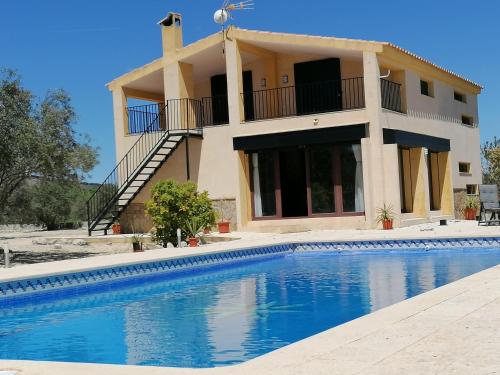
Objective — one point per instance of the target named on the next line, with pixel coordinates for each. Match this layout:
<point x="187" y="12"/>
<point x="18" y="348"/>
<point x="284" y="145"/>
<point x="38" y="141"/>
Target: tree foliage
<point x="173" y="204"/>
<point x="38" y="140"/>
<point x="490" y="152"/>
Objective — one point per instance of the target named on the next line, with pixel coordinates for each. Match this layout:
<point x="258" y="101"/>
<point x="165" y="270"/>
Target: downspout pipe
<point x="386" y="75"/>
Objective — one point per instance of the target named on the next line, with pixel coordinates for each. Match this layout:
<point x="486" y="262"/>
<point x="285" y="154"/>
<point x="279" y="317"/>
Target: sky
<point x="80" y="46"/>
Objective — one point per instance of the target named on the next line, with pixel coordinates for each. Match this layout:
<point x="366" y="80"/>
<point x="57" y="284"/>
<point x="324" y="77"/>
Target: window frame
<point x="475" y="187"/>
<point x="467" y="172"/>
<point x="459" y="97"/>
<point x="430" y="88"/>
<point x="469" y="120"/>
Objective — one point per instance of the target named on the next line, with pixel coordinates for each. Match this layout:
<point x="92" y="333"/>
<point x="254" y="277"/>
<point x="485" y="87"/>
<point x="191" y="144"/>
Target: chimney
<point x="171" y="32"/>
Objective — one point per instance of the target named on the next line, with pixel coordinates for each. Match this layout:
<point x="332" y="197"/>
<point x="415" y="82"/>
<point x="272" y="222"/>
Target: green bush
<point x="172" y="204"/>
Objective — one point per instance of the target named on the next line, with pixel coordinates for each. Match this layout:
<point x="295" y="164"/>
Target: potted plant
<point x="195" y="229"/>
<point x="136" y="240"/>
<point x="116" y="227"/>
<point x="470" y="207"/>
<point x="385" y="216"/>
<point x="223" y="223"/>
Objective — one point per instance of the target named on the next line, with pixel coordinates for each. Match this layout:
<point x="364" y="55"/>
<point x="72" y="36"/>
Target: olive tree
<point x="38" y="140"/>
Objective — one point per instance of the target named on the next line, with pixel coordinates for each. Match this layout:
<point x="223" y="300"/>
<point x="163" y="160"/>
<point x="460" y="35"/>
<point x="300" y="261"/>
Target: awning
<point x="300" y="138"/>
<point x="408" y="139"/>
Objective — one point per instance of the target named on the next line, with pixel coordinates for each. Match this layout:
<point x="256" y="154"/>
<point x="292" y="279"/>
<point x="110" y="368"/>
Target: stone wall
<point x="134" y="218"/>
<point x="459" y="195"/>
<point x="226" y="208"/>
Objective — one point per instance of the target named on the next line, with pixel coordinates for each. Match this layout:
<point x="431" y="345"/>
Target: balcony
<point x="178" y="114"/>
<point x="391" y="95"/>
<point x="315" y="98"/>
<point x="319" y="97"/>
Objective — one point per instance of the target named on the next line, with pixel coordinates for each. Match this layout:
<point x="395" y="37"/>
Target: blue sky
<point x="81" y="45"/>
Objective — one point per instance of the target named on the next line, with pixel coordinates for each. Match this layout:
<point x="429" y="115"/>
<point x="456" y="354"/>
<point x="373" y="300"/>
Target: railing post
<point x="88" y="218"/>
<point x="126" y="166"/>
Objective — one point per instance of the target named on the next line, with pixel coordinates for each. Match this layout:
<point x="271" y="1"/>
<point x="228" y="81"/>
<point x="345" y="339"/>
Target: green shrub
<point x="172" y="204"/>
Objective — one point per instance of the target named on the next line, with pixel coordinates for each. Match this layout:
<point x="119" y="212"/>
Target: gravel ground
<point x="37" y="246"/>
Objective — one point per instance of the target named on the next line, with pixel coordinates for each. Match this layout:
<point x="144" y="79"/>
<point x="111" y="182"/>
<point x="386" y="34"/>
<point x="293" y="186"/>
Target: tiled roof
<point x="370" y="42"/>
<point x="431" y="63"/>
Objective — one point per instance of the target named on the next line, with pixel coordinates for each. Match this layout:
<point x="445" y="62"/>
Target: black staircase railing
<point x="318" y="97"/>
<point x="178" y="116"/>
<point x="391" y="95"/>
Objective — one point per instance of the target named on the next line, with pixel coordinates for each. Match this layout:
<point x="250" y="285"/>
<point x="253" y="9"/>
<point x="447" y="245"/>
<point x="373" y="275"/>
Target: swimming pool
<point x="215" y="316"/>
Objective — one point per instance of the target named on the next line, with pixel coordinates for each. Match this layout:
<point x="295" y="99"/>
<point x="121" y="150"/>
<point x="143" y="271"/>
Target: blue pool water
<point x="225" y="316"/>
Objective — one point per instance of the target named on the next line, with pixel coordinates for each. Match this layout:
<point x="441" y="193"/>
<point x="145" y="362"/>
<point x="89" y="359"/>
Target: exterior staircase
<point x="161" y="132"/>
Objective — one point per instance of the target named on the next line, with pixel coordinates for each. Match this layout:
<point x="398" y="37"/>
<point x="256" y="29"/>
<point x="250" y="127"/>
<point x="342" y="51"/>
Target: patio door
<point x="318" y="86"/>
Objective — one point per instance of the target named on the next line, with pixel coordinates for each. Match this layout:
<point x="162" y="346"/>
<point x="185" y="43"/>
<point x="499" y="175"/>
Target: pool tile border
<point x="25" y="288"/>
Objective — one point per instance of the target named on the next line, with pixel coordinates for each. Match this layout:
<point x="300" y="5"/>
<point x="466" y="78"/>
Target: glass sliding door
<point x="352" y="178"/>
<point x="321" y="179"/>
<point x="263" y="174"/>
<point x="315" y="180"/>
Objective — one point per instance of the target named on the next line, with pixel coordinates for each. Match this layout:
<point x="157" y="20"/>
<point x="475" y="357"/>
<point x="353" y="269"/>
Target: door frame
<point x="337" y="179"/>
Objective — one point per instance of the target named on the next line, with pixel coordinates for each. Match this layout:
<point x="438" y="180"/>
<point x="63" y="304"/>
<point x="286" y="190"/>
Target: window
<point x="426" y="88"/>
<point x="459" y="97"/>
<point x="471" y="189"/>
<point x="467" y="120"/>
<point x="464" y="167"/>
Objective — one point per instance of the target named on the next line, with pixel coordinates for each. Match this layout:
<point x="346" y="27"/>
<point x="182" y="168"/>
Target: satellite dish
<point x="221" y="16"/>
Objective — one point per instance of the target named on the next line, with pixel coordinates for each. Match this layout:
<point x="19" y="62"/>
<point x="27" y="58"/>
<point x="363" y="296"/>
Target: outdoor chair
<point x="488" y="197"/>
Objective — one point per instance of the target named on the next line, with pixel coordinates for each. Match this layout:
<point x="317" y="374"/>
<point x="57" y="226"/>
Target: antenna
<point x="222" y="15"/>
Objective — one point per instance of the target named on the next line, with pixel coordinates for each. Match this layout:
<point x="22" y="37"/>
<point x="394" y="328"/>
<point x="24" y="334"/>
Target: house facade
<point x="292" y="132"/>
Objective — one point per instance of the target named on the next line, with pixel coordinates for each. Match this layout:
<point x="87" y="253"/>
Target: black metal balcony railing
<point x="320" y="97"/>
<point x="391" y="95"/>
<point x="205" y="112"/>
<point x="144" y="118"/>
<point x="215" y="110"/>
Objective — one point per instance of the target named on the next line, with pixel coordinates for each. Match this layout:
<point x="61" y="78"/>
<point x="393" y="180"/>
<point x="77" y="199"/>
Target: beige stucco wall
<point x="209" y="160"/>
<point x="464" y="142"/>
<point x="442" y="105"/>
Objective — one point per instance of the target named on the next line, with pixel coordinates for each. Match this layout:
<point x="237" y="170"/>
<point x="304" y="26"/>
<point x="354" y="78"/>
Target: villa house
<point x="292" y="132"/>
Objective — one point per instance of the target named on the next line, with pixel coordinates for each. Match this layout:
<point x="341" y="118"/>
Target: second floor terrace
<point x="268" y="77"/>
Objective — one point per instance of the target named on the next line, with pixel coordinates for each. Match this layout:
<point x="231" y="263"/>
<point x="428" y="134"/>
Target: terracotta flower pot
<point x="193" y="241"/>
<point x="116" y="228"/>
<point x="470" y="213"/>
<point x="223" y="226"/>
<point x="137" y="246"/>
<point x="387" y="224"/>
